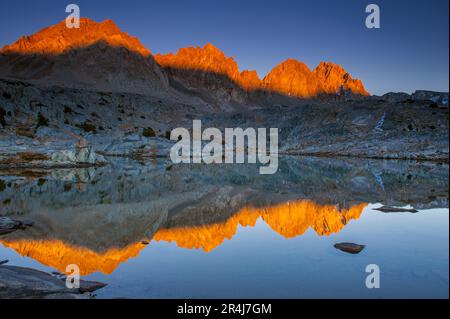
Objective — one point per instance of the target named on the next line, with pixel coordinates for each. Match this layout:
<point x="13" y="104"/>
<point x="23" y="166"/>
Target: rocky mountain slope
<point x="97" y="87"/>
<point x="97" y="56"/>
<point x="210" y="68"/>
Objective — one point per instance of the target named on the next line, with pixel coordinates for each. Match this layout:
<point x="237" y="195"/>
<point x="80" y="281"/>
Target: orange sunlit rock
<point x="208" y="237"/>
<point x="249" y="80"/>
<point x="58" y="39"/>
<point x="292" y="78"/>
<point x="294" y="218"/>
<point x="332" y="77"/>
<point x="288" y="219"/>
<point x="58" y="254"/>
<point x="209" y="58"/>
<point x="209" y="61"/>
<point x="207" y="66"/>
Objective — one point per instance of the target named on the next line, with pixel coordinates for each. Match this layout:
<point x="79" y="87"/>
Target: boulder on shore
<point x="18" y="282"/>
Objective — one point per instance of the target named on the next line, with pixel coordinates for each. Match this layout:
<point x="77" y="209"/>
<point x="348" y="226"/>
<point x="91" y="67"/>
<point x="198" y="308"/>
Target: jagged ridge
<point x="206" y="67"/>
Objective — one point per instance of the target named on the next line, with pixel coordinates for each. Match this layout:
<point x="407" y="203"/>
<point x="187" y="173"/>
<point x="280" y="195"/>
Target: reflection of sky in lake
<point x="411" y="250"/>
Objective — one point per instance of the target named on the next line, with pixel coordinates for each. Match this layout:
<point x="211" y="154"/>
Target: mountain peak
<point x="58" y="39"/>
<point x="293" y="78"/>
<point x="206" y="59"/>
<point x="209" y="47"/>
<point x="333" y="78"/>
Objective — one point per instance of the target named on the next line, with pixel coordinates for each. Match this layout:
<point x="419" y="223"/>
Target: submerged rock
<point x="350" y="248"/>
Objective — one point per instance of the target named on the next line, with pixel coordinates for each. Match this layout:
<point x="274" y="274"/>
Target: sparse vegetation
<point x="68" y="110"/>
<point x="148" y="132"/>
<point x="433" y="106"/>
<point x="102" y="102"/>
<point x="88" y="127"/>
<point x="41" y="120"/>
<point x="2" y="116"/>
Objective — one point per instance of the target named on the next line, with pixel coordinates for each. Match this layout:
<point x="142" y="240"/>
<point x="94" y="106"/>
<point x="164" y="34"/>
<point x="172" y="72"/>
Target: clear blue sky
<point x="409" y="52"/>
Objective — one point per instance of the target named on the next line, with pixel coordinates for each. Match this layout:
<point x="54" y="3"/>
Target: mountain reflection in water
<point x="289" y="219"/>
<point x="255" y="235"/>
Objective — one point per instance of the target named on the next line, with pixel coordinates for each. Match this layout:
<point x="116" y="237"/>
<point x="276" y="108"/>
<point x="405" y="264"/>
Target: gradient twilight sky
<point x="409" y="52"/>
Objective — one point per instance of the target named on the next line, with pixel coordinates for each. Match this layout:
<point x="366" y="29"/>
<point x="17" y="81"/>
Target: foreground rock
<point x="18" y="282"/>
<point x="350" y="248"/>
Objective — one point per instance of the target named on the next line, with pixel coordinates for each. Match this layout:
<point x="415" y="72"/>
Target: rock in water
<point x="350" y="248"/>
<point x="389" y="209"/>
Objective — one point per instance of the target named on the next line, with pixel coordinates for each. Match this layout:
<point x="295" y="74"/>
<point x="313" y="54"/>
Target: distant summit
<point x="97" y="56"/>
<point x="59" y="39"/>
<point x="292" y="77"/>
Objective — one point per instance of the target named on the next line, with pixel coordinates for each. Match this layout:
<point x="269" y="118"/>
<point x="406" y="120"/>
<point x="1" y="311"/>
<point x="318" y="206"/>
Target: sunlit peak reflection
<point x="289" y="219"/>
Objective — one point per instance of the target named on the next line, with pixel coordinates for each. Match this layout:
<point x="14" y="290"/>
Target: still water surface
<point x="212" y="233"/>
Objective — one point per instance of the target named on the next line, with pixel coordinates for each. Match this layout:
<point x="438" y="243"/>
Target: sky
<point x="410" y="51"/>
